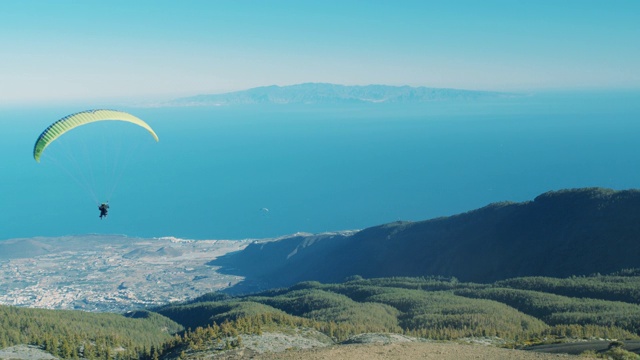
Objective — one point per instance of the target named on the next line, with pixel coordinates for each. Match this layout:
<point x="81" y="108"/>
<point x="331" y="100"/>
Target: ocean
<point x="265" y="171"/>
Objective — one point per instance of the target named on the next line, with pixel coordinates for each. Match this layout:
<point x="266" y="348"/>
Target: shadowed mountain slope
<point x="559" y="233"/>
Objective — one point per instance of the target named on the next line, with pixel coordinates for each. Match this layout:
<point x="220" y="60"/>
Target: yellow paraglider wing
<point x="67" y="123"/>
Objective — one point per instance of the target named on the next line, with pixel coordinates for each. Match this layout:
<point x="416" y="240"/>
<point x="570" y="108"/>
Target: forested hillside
<point x="559" y="234"/>
<point x="519" y="311"/>
<point x="432" y="308"/>
<point x="72" y="334"/>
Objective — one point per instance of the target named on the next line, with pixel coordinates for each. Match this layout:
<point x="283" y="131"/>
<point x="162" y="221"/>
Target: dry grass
<point x="395" y="351"/>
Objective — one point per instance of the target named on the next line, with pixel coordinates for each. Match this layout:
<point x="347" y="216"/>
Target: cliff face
<point x="561" y="233"/>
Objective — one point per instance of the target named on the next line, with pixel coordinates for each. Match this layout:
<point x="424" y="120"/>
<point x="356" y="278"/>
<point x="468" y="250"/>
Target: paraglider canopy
<point x="96" y="158"/>
<point x="72" y="121"/>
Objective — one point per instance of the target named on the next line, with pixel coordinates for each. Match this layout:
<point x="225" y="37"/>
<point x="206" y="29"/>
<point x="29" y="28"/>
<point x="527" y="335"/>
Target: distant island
<point x="323" y="93"/>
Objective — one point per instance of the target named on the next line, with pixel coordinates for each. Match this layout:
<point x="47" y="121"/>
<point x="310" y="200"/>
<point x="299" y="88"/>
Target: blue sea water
<point x="265" y="171"/>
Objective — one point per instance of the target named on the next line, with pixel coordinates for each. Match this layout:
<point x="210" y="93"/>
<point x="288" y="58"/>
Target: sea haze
<point x="216" y="170"/>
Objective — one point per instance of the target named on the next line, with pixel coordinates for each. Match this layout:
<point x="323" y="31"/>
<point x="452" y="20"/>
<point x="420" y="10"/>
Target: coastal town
<point x="110" y="273"/>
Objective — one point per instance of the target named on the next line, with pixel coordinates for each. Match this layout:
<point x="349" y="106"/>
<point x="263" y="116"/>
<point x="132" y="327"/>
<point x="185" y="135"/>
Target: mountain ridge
<point x="327" y="93"/>
<point x="559" y="233"/>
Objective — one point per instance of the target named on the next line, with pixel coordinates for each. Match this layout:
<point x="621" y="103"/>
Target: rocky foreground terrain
<point x="109" y="273"/>
<point x="400" y="351"/>
<point x="369" y="349"/>
<point x="280" y="346"/>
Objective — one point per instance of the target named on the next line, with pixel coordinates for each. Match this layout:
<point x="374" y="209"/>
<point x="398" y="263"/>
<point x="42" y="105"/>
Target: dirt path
<point x="399" y="351"/>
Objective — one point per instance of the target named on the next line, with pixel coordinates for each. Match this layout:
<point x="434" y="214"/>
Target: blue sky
<point x="66" y="50"/>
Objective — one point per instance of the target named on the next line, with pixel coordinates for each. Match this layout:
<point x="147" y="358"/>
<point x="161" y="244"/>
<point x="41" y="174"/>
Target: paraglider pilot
<point x="104" y="208"/>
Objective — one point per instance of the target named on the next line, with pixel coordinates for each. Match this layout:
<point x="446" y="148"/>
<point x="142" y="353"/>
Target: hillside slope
<point x="560" y="233"/>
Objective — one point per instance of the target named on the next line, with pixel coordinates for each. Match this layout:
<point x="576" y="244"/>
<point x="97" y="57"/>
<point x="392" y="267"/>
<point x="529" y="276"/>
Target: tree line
<point x="521" y="311"/>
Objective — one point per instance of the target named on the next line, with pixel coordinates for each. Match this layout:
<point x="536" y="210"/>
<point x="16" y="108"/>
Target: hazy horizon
<point x="145" y="101"/>
<point x="318" y="168"/>
<point x="67" y="51"/>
